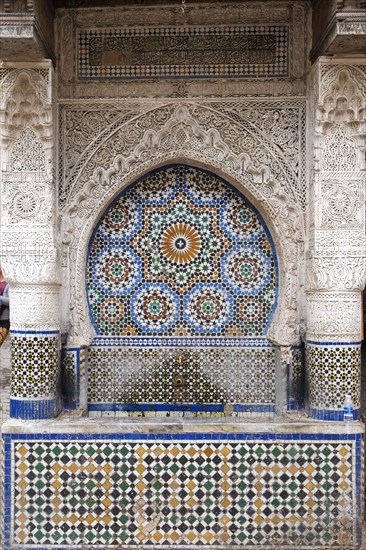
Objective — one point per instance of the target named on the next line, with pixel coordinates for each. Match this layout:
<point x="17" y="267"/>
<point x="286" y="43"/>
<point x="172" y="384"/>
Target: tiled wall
<point x="180" y="268"/>
<point x="177" y="490"/>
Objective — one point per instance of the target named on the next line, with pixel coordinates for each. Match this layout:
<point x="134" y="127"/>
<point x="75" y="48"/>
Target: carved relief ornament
<point x="198" y="136"/>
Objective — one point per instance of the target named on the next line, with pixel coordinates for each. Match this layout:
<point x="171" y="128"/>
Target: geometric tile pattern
<point x="181" y="375"/>
<point x="333" y="370"/>
<point x="34" y="359"/>
<point x="181" y="253"/>
<point x="208" y="492"/>
<point x="238" y="51"/>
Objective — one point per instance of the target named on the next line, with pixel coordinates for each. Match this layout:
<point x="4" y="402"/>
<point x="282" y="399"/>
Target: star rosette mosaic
<point x="181" y="252"/>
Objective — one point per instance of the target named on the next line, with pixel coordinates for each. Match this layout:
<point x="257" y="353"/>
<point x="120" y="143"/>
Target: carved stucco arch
<point x="184" y="137"/>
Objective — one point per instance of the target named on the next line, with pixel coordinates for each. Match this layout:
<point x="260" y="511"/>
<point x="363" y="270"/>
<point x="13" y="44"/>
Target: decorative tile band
<point x="35" y="365"/>
<point x="184" y="376"/>
<point x="183" y="52"/>
<point x="332" y="371"/>
<point x="180" y="342"/>
<point x="182" y="490"/>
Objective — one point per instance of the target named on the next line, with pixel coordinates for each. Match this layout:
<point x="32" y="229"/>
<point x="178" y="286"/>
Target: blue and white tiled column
<point x="333" y="353"/>
<point x="35" y="352"/>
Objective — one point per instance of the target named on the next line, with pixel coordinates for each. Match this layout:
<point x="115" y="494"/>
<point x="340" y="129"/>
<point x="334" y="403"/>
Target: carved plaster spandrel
<point x="207" y="139"/>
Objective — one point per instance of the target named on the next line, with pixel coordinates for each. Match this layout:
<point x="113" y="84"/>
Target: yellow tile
<point x="107" y="502"/>
<point x="56" y="467"/>
<point x="344" y="468"/>
<point x="106" y="519"/>
<point x="259" y="485"/>
<point x="141" y="468"/>
<point x="310" y="469"/>
<point x="56" y="518"/>
<point x="56" y="484"/>
<point x="140" y="451"/>
<point x="191" y="502"/>
<point x="191" y="485"/>
<point x="22" y="518"/>
<point x="108" y="468"/>
<point x="208" y="537"/>
<point x="293" y="469"/>
<point x="224" y="519"/>
<point x="174" y="502"/>
<point x="56" y="502"/>
<point x="90" y="468"/>
<point x="158" y="536"/>
<point x="310" y="503"/>
<point x="225" y="451"/>
<point x="258" y="520"/>
<point x="73" y="518"/>
<point x="174" y="536"/>
<point x="344" y="451"/>
<point x="259" y="468"/>
<point x="259" y="503"/>
<point x="22" y="535"/>
<point x="175" y="451"/>
<point x="23" y="467"/>
<point x="22" y="450"/>
<point x="90" y="519"/>
<point x="73" y="467"/>
<point x="225" y="502"/>
<point x="174" y="485"/>
<point x="225" y="537"/>
<point x="192" y="451"/>
<point x="293" y="519"/>
<point x="225" y="486"/>
<point x="208" y="451"/>
<point x="191" y="536"/>
<point x="225" y="468"/>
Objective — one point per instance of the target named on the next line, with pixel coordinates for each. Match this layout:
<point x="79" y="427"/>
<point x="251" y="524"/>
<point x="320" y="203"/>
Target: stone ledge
<point x="75" y="425"/>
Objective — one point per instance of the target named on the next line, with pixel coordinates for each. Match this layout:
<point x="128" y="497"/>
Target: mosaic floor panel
<point x="212" y="490"/>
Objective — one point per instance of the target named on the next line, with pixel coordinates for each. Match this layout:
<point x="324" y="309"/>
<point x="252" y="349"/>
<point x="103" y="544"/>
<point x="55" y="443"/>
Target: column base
<point x="331" y="415"/>
<point x="34" y="409"/>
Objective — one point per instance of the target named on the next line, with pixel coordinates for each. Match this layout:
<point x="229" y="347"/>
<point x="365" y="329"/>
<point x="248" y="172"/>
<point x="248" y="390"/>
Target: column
<point x="336" y="251"/>
<point x="29" y="251"/>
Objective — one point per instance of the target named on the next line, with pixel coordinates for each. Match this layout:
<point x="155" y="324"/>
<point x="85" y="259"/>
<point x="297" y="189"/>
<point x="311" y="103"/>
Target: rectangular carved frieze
<point x="188" y="52"/>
